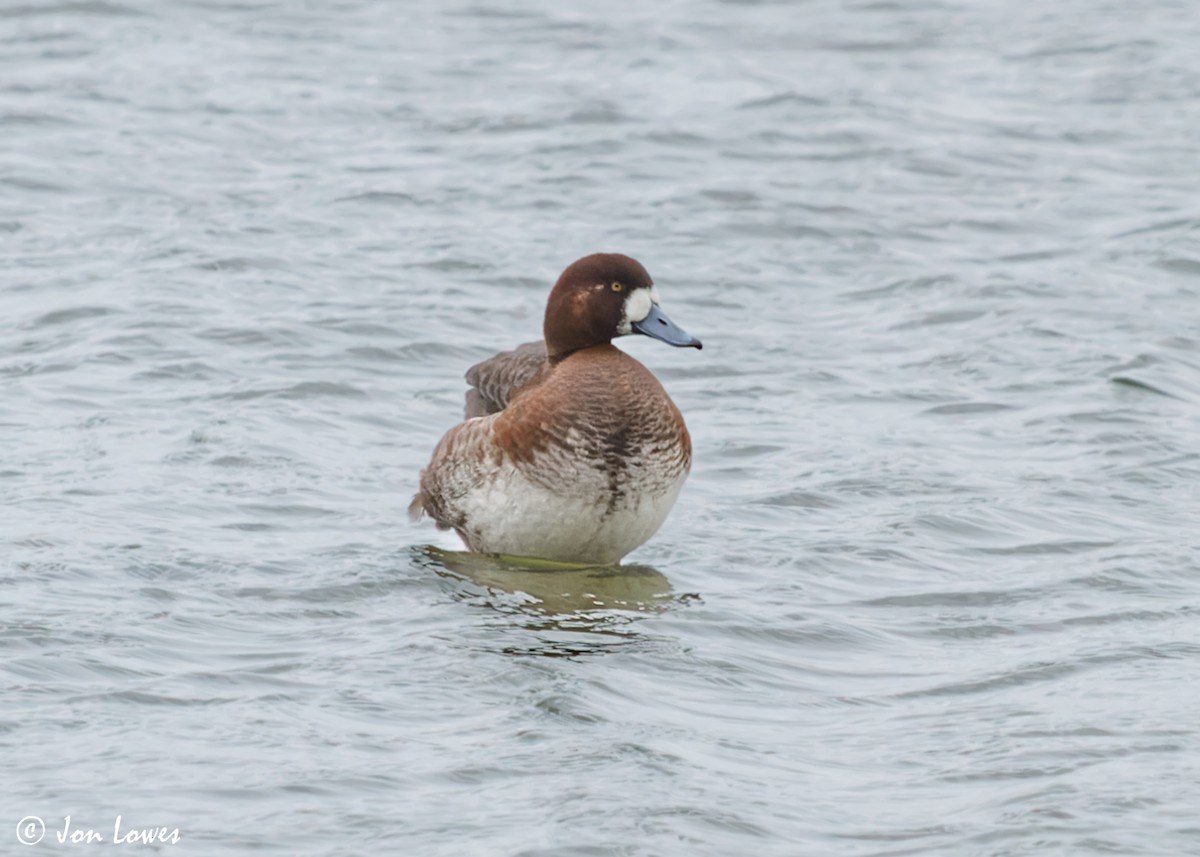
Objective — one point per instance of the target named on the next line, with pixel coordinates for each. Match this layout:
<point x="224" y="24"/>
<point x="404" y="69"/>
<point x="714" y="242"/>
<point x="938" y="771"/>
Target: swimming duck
<point x="571" y="449"/>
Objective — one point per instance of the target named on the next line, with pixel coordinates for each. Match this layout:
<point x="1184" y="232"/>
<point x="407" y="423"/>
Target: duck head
<point x="601" y="297"/>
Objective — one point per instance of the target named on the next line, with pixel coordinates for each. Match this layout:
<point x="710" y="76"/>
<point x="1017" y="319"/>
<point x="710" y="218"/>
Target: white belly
<point x="514" y="515"/>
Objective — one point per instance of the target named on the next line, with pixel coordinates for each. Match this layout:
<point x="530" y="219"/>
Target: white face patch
<point x="637" y="307"/>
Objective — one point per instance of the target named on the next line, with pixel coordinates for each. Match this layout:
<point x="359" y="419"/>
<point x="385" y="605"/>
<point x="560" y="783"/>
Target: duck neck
<point x="556" y="356"/>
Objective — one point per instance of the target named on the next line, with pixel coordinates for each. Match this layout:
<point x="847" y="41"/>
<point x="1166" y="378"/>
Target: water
<point x="932" y="587"/>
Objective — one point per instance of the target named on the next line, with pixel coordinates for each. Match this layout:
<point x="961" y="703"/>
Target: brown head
<point x="601" y="297"/>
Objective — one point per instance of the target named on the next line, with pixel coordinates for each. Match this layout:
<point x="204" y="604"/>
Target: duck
<point x="570" y="450"/>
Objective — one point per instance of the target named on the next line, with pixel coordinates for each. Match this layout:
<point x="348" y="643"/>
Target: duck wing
<point x="493" y="382"/>
<point x="496" y="380"/>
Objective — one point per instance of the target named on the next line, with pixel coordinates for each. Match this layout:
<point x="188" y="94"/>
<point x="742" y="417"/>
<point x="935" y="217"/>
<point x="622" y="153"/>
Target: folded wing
<point x="496" y="380"/>
<point x="493" y="382"/>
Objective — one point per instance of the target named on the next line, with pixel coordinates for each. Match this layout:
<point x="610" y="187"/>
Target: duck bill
<point x="657" y="325"/>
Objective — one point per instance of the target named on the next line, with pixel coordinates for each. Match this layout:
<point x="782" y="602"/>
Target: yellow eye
<point x="616" y="287"/>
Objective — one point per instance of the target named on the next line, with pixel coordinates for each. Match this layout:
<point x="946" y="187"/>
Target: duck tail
<point x="417" y="507"/>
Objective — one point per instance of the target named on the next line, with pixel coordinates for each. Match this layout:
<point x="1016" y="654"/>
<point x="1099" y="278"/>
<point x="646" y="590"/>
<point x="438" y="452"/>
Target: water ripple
<point x="931" y="587"/>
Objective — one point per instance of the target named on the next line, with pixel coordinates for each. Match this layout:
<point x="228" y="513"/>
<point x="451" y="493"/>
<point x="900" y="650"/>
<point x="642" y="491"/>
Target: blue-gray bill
<point x="657" y="325"/>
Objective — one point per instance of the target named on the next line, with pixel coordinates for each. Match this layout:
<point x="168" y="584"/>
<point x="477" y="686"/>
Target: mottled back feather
<point x="495" y="380"/>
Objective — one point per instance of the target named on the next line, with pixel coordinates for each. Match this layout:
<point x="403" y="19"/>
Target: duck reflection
<point x="549" y="589"/>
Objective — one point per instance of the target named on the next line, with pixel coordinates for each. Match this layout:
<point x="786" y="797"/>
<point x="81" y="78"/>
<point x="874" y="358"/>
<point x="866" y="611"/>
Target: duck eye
<point x="616" y="287"/>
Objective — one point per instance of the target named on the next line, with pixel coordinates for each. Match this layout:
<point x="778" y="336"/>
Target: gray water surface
<point x="932" y="587"/>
